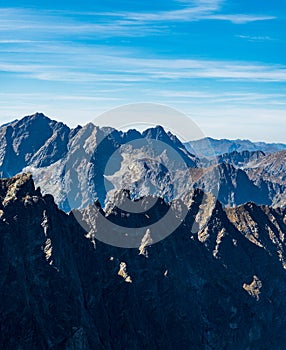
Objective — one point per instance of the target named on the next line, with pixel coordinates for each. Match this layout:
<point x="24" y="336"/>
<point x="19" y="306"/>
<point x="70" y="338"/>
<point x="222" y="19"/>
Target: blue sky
<point x="222" y="62"/>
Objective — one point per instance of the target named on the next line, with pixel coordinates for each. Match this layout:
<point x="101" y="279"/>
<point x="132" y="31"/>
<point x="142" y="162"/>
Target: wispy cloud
<point x="188" y="14"/>
<point x="62" y="23"/>
<point x="116" y="24"/>
<point x="68" y="74"/>
<point x="29" y="97"/>
<point x="16" y="41"/>
<point x="191" y="11"/>
<point x="112" y="64"/>
<point x="196" y="14"/>
<point x="254" y="38"/>
<point x="222" y="97"/>
<point x="239" y="18"/>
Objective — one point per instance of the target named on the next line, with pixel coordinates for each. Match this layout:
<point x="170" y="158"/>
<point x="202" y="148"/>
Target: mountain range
<point x="205" y="268"/>
<point x="87" y="163"/>
<point x="209" y="147"/>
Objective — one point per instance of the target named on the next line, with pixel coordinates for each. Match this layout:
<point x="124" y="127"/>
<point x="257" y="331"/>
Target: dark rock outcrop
<point x="217" y="282"/>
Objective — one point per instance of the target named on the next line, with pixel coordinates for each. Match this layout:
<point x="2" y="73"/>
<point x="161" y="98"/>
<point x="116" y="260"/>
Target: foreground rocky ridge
<point x="217" y="282"/>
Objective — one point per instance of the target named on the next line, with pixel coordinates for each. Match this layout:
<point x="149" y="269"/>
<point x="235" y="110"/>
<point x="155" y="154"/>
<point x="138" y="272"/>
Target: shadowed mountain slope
<point x="217" y="282"/>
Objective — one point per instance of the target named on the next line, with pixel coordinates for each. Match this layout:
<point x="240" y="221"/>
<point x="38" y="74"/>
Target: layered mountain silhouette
<point x="81" y="165"/>
<point x="205" y="268"/>
<point x="217" y="282"/>
<point x="209" y="147"/>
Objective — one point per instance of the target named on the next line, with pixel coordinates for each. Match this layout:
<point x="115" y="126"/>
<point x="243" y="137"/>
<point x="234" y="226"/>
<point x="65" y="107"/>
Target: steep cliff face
<point x="233" y="186"/>
<point x="41" y="281"/>
<point x="217" y="282"/>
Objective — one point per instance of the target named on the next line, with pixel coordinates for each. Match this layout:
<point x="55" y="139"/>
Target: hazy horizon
<point x="140" y="129"/>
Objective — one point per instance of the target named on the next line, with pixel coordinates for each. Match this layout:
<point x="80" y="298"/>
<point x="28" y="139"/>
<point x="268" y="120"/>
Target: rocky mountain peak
<point x="157" y="130"/>
<point x="34" y="140"/>
<point x="17" y="187"/>
<point x="37" y="115"/>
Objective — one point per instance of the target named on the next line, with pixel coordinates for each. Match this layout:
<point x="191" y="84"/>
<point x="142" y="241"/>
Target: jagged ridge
<point x="217" y="282"/>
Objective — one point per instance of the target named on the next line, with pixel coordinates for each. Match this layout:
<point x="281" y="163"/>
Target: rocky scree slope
<point x="217" y="282"/>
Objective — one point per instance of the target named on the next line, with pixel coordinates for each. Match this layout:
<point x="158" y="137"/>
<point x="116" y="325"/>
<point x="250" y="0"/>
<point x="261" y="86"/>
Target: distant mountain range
<point x="209" y="147"/>
<point x="86" y="163"/>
